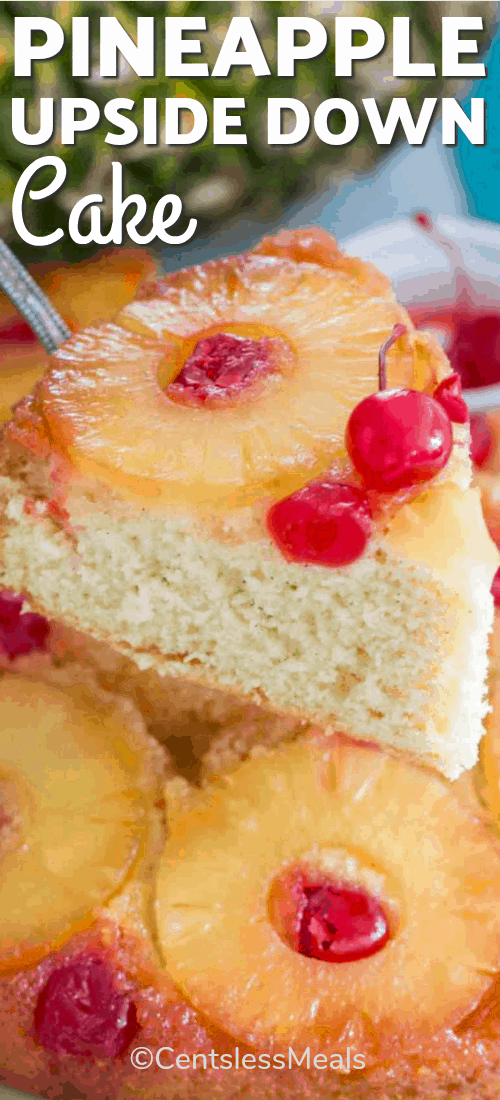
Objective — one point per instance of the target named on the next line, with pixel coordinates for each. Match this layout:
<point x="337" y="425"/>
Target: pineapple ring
<point x="104" y="404"/>
<point x="438" y="869"/>
<point x="75" y="806"/>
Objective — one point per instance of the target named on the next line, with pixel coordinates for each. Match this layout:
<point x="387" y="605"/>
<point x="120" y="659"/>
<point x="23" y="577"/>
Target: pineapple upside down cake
<point x="321" y="919"/>
<point x="233" y="484"/>
<point x="252" y="488"/>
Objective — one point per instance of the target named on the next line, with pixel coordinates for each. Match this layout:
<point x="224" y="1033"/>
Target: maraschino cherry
<point x="325" y="523"/>
<point x="221" y="367"/>
<point x="16" y="331"/>
<point x="466" y="322"/>
<point x="495" y="588"/>
<point x="20" y="631"/>
<point x="339" y="923"/>
<point x="481" y="440"/>
<point x="398" y="438"/>
<point x="79" y="1011"/>
<point x="449" y="395"/>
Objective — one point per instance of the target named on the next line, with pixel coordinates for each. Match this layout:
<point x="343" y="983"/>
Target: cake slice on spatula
<point x="233" y="484"/>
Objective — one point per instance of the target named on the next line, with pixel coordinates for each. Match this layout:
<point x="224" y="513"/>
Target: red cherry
<point x="16" y="331"/>
<point x="449" y="395"/>
<point x="470" y="337"/>
<point x="339" y="923"/>
<point x="423" y="220"/>
<point x="326" y="523"/>
<point x="481" y="440"/>
<point x="221" y="366"/>
<point x="397" y="438"/>
<point x="20" y="632"/>
<point x="495" y="588"/>
<point x="80" y="1012"/>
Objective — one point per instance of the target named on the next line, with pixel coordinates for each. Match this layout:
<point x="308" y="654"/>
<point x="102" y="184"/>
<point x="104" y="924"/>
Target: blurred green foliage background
<point x="216" y="183"/>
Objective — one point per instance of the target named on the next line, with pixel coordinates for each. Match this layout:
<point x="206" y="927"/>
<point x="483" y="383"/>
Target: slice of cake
<point x="233" y="484"/>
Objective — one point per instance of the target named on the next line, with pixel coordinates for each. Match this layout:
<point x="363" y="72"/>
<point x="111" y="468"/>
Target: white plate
<point x="420" y="270"/>
<point x="424" y="271"/>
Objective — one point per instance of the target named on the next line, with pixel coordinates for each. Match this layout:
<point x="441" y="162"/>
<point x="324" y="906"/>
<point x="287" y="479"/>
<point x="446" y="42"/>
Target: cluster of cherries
<point x="396" y="439"/>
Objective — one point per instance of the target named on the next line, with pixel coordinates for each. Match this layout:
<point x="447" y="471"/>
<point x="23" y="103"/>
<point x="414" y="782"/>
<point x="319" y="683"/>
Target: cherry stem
<point x="398" y="330"/>
<point x="463" y="289"/>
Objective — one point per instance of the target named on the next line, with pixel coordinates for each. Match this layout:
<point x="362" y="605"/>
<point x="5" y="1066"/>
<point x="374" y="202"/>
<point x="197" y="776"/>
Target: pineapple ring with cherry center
<point x="75" y="800"/>
<point x="344" y="814"/>
<point x="112" y="406"/>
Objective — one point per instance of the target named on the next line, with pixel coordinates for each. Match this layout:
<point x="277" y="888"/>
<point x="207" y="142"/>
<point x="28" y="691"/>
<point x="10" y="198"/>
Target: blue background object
<point x="479" y="166"/>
